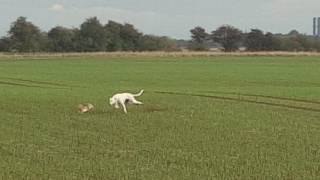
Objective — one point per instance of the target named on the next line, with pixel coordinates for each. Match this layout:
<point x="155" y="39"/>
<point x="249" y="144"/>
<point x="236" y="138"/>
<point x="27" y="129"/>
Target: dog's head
<point x="112" y="101"/>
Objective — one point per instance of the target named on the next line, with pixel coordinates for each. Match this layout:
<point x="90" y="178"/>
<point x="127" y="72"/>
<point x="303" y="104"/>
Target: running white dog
<point x="123" y="99"/>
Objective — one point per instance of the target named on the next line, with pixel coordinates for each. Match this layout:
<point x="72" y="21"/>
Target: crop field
<point x="203" y="118"/>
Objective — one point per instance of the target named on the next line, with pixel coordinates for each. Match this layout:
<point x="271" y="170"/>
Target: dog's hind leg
<point x="134" y="101"/>
<point x="137" y="102"/>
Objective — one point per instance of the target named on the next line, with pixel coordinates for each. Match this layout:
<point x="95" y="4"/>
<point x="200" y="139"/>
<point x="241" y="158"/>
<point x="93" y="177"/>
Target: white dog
<point x="123" y="99"/>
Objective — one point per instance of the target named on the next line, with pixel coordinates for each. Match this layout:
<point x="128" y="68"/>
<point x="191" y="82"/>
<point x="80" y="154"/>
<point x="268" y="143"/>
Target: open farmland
<point x="202" y="118"/>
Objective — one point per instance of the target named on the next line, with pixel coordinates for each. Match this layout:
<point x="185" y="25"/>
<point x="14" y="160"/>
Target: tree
<point x="155" y="43"/>
<point x="315" y="44"/>
<point x="62" y="39"/>
<point x="255" y="40"/>
<point x="92" y="36"/>
<point x="113" y="30"/>
<point x="228" y="36"/>
<point x="149" y="43"/>
<point x="130" y="37"/>
<point x="199" y="37"/>
<point x="293" y="33"/>
<point x="4" y="44"/>
<point x="304" y="41"/>
<point x="294" y="41"/>
<point x="290" y="44"/>
<point x="26" y="37"/>
<point x="271" y="42"/>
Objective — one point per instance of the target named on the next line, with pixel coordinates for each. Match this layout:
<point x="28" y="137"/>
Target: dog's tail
<point x="139" y="94"/>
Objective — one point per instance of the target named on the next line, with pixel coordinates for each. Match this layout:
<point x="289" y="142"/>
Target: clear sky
<point x="172" y="18"/>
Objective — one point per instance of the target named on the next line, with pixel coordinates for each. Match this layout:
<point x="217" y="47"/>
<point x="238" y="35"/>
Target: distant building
<point x="316" y="26"/>
<point x="318" y="31"/>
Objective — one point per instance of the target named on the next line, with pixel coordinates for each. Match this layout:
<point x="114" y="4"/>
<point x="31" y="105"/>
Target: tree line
<point x="230" y="38"/>
<point x="91" y="36"/>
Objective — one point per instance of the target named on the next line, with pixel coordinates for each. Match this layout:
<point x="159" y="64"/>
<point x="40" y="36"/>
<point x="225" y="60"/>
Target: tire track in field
<point x="265" y="96"/>
<point x="37" y="82"/>
<point x="28" y="85"/>
<point x="241" y="100"/>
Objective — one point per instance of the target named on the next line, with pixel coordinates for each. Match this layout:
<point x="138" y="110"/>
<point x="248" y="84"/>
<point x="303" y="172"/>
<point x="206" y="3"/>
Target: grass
<point x="203" y="118"/>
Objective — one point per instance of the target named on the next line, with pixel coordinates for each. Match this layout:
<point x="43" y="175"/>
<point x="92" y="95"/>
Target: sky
<point x="173" y="18"/>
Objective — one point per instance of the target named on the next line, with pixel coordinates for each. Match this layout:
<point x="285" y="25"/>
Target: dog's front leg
<point x="124" y="107"/>
<point x="117" y="105"/>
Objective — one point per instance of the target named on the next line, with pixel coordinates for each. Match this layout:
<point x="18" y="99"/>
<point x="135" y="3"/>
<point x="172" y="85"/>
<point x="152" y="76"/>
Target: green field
<point x="202" y="118"/>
